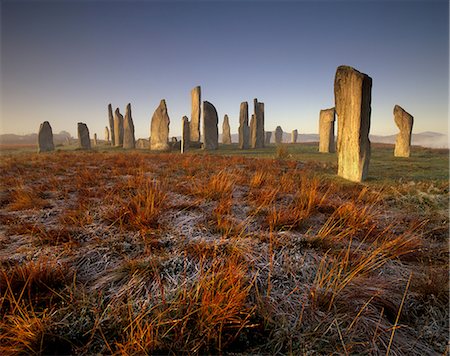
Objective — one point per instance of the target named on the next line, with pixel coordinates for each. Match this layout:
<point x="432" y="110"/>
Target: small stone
<point x="84" y="141"/>
<point x="159" y="130"/>
<point x="106" y="134"/>
<point x="267" y="138"/>
<point x="185" y="134"/>
<point x="278" y="135"/>
<point x="45" y="138"/>
<point x="326" y="131"/>
<point x="294" y="136"/>
<point x="226" y="131"/>
<point x="210" y="129"/>
<point x="404" y="122"/>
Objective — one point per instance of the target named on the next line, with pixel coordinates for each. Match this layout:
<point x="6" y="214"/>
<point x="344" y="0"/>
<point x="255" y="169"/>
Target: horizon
<point x="65" y="62"/>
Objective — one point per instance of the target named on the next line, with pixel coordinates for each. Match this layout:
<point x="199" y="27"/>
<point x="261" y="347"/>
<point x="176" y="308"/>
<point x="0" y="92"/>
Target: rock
<point x="226" y="131"/>
<point x="257" y="125"/>
<point x="142" y="143"/>
<point x="84" y="141"/>
<point x="294" y="136"/>
<point x="253" y="131"/>
<point x="118" y="128"/>
<point x="267" y="138"/>
<point x="353" y="95"/>
<point x="210" y="129"/>
<point x="159" y="130"/>
<point x="326" y="130"/>
<point x="45" y="138"/>
<point x="129" y="141"/>
<point x="111" y="125"/>
<point x="195" y="114"/>
<point x="404" y="122"/>
<point x="95" y="140"/>
<point x="185" y="134"/>
<point x="278" y="135"/>
<point x="244" y="129"/>
<point x="106" y="134"/>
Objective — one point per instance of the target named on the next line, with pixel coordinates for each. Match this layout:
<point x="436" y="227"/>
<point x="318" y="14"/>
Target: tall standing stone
<point x="45" y="138"/>
<point x="185" y="134"/>
<point x="405" y="122"/>
<point x="259" y="115"/>
<point x="210" y="127"/>
<point x="326" y="130"/>
<point x="195" y="114"/>
<point x="84" y="141"/>
<point x="353" y="95"/>
<point x="106" y="134"/>
<point x="267" y="138"/>
<point x="294" y="136"/>
<point x="226" y="131"/>
<point x="159" y="129"/>
<point x="278" y="135"/>
<point x="244" y="129"/>
<point x="253" y="131"/>
<point x="111" y="125"/>
<point x="118" y="128"/>
<point x="129" y="141"/>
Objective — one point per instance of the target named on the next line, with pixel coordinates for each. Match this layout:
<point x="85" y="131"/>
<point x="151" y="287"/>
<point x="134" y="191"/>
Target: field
<point x="235" y="252"/>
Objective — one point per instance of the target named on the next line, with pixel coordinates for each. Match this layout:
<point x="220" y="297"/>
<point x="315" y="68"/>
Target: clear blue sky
<point x="64" y="62"/>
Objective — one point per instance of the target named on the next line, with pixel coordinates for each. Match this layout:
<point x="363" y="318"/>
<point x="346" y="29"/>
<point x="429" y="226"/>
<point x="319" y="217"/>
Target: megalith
<point x="45" y="138"/>
<point x="111" y="125"/>
<point x="405" y="122"/>
<point x="118" y="128"/>
<point x="185" y="134"/>
<point x="210" y="127"/>
<point x="159" y="128"/>
<point x="353" y="95"/>
<point x="84" y="141"/>
<point x="326" y="130"/>
<point x="244" y="129"/>
<point x="257" y="125"/>
<point x="95" y="140"/>
<point x="226" y="131"/>
<point x="106" y="134"/>
<point x="267" y="138"/>
<point x="253" y="131"/>
<point x="129" y="141"/>
<point x="195" y="114"/>
<point x="278" y="135"/>
<point x="294" y="136"/>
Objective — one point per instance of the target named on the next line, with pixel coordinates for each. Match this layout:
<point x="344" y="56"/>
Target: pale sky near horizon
<point x="65" y="62"/>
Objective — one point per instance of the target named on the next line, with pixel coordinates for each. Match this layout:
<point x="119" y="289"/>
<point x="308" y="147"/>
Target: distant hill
<point x="12" y="139"/>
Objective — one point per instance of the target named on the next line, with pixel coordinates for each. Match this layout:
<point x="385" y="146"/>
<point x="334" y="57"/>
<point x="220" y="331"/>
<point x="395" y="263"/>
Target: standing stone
<point x="84" y="141"/>
<point x="267" y="138"/>
<point x="185" y="134"/>
<point x="106" y="134"/>
<point x="326" y="130"/>
<point x="111" y="125"/>
<point x="253" y="131"/>
<point x="294" y="136"/>
<point x="210" y="129"/>
<point x="405" y="122"/>
<point x="118" y="128"/>
<point x="353" y="95"/>
<point x="159" y="129"/>
<point x="244" y="129"/>
<point x="142" y="143"/>
<point x="129" y="141"/>
<point x="95" y="140"/>
<point x="226" y="131"/>
<point x="195" y="114"/>
<point x="259" y="115"/>
<point x="45" y="138"/>
<point x="278" y="135"/>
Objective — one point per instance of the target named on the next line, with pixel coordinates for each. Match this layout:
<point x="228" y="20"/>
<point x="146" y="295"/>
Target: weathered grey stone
<point x="45" y="138"/>
<point x="294" y="136"/>
<point x="106" y="134"/>
<point x="253" y="131"/>
<point x="118" y="128"/>
<point x="185" y="134"/>
<point x="95" y="140"/>
<point x="195" y="114"/>
<point x="404" y="122"/>
<point x="129" y="142"/>
<point x="278" y="135"/>
<point x="267" y="138"/>
<point x="353" y="95"/>
<point x="84" y="141"/>
<point x="259" y="115"/>
<point x="244" y="129"/>
<point x="226" y="132"/>
<point x="210" y="127"/>
<point x="142" y="143"/>
<point x="326" y="130"/>
<point x="159" y="131"/>
<point x="111" y="125"/>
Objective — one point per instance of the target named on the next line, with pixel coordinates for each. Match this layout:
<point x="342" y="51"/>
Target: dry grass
<point x="199" y="254"/>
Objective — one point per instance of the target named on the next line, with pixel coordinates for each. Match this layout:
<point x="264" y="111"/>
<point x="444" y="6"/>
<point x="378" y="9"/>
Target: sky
<point x="64" y="62"/>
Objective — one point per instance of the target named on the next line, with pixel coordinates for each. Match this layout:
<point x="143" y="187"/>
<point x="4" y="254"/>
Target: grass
<point x="246" y="252"/>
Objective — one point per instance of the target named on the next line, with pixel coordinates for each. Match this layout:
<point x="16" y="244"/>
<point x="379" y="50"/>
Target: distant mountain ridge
<point x="13" y="139"/>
